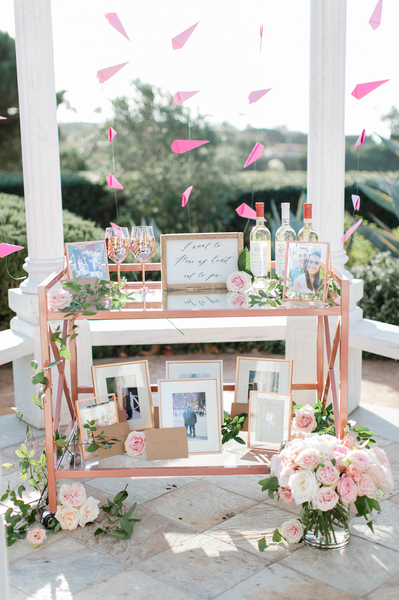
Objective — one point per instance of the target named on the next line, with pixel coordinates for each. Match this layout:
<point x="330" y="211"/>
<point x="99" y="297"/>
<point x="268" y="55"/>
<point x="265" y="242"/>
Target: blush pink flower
<point x="380" y="455"/>
<point x="338" y="454"/>
<point x="366" y="487"/>
<point x="36" y="536"/>
<point x="304" y="421"/>
<point x="284" y="475"/>
<point x="382" y="477"/>
<point x="292" y="531"/>
<point x="325" y="499"/>
<point x="58" y="298"/>
<point x="239" y="281"/>
<point x="72" y="494"/>
<point x="308" y="459"/>
<point x="276" y="464"/>
<point x="237" y="300"/>
<point x="347" y="489"/>
<point x="67" y="516"/>
<point x="135" y="443"/>
<point x="355" y="471"/>
<point x="360" y="457"/>
<point x="286" y="495"/>
<point x="328" y="475"/>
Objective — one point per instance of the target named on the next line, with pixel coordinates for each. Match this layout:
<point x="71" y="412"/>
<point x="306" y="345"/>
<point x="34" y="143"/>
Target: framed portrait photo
<point x="87" y="259"/>
<point x="262" y="375"/>
<point x="130" y="382"/>
<point x="195" y="405"/>
<point x="269" y="420"/>
<point x="306" y="271"/>
<point x="102" y="410"/>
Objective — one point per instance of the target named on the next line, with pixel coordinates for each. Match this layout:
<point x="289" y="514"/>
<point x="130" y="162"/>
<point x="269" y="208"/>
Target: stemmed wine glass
<point x="143" y="246"/>
<point x="118" y="245"/>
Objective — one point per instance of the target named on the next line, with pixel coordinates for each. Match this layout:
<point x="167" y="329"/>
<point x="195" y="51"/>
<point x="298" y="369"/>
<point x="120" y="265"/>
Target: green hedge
<point x="12" y="217"/>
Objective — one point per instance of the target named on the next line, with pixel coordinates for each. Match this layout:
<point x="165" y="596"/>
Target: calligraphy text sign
<point x="199" y="260"/>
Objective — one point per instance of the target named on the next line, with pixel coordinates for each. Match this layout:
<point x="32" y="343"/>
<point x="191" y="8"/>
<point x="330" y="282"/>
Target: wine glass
<point x="143" y="246"/>
<point x="118" y="246"/>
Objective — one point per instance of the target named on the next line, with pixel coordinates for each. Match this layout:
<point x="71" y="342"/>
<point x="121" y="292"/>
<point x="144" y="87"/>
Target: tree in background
<point x="10" y="135"/>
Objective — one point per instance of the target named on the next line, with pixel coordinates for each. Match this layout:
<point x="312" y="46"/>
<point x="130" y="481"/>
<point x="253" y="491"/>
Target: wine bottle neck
<point x="260" y="222"/>
<point x="307" y="222"/>
<point x="285" y="222"/>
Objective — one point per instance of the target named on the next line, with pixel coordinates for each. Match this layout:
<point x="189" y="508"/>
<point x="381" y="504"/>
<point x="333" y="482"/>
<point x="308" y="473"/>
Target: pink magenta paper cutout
<point x="117" y="229"/>
<point x="375" y="19"/>
<point x="255" y="154"/>
<point x="114" y="20"/>
<point x="257" y="95"/>
<point x="105" y="74"/>
<point x="181" y="146"/>
<point x="5" y="118"/>
<point x="247" y="212"/>
<point x="362" y="89"/>
<point x="356" y="202"/>
<point x="186" y="196"/>
<point x="6" y="249"/>
<point x="361" y="139"/>
<point x="179" y="41"/>
<point x="261" y="37"/>
<point x="181" y="97"/>
<point x="111" y="134"/>
<point x="347" y="235"/>
<point x="114" y="183"/>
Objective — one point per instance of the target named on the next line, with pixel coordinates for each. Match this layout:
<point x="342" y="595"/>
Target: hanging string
<point x="188" y="183"/>
<point x="8" y="272"/>
<point x="253" y="184"/>
<point x="113" y="170"/>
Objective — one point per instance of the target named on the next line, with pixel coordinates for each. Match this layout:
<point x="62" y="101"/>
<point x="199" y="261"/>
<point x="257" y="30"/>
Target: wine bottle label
<point x="259" y="255"/>
<point x="280" y="250"/>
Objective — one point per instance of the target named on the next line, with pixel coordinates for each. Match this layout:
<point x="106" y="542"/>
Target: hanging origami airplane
<point x="111" y="134"/>
<point x="114" y="183"/>
<point x="362" y="89"/>
<point x="181" y="97"/>
<point x="375" y="19"/>
<point x="356" y="202"/>
<point x="114" y="20"/>
<point x="179" y="41"/>
<point x="255" y="154"/>
<point x="361" y="139"/>
<point x="347" y="235"/>
<point x="246" y="212"/>
<point x="261" y="37"/>
<point x="5" y="118"/>
<point x="6" y="249"/>
<point x="255" y="96"/>
<point x="108" y="72"/>
<point x="117" y="229"/>
<point x="186" y="196"/>
<point x="181" y="146"/>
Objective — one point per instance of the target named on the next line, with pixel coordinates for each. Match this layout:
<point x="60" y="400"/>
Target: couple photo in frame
<point x="307" y="266"/>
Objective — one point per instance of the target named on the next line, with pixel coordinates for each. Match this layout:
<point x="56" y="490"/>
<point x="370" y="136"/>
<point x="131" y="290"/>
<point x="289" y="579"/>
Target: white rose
<point x="58" y="298"/>
<point x="239" y="281"/>
<point x="67" y="516"/>
<point x="303" y="485"/>
<point x="88" y="511"/>
<point x="323" y="443"/>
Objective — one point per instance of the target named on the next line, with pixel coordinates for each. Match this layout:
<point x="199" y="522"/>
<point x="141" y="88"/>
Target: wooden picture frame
<point x="306" y="272"/>
<point x="199" y="260"/>
<point x="269" y="420"/>
<point x="87" y="259"/>
<point x="130" y="382"/>
<point x="262" y="374"/>
<point x="104" y="413"/>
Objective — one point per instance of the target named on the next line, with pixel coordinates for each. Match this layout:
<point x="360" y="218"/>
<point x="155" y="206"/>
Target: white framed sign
<point x="199" y="260"/>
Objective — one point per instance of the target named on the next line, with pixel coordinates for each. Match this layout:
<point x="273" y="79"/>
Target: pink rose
<point x="276" y="464"/>
<point x="339" y="453"/>
<point x="366" y="487"/>
<point x="135" y="443"/>
<point x="58" y="298"/>
<point x="308" y="459"/>
<point x="72" y="494"/>
<point x="237" y="300"/>
<point x="304" y="421"/>
<point x="36" y="536"/>
<point x="285" y="494"/>
<point x="67" y="516"/>
<point x="328" y="475"/>
<point x="347" y="489"/>
<point x="380" y="455"/>
<point x="239" y="281"/>
<point x="382" y="477"/>
<point x="355" y="471"/>
<point x="360" y="457"/>
<point x="325" y="499"/>
<point x="292" y="531"/>
<point x="284" y="476"/>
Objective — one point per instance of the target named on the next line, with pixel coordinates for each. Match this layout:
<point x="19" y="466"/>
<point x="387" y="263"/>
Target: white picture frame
<point x="102" y="410"/>
<point x="307" y="266"/>
<point x="262" y="374"/>
<point x="87" y="259"/>
<point x="269" y="420"/>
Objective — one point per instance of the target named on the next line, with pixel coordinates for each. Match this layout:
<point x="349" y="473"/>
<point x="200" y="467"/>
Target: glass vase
<point x="337" y="537"/>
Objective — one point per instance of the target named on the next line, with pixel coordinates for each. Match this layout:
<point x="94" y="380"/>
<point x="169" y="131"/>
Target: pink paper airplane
<point x="186" y="196"/>
<point x="347" y="235"/>
<point x="181" y="146"/>
<point x="255" y="154"/>
<point x="111" y="134"/>
<point x="5" y="118"/>
<point x="356" y="202"/>
<point x="375" y="19"/>
<point x="255" y="96"/>
<point x="261" y="37"/>
<point x="113" y="20"/>
<point x="179" y="41"/>
<point x="114" y="183"/>
<point x="362" y="89"/>
<point x="105" y="74"/>
<point x="246" y="212"/>
<point x="361" y="139"/>
<point x="6" y="249"/>
<point x="181" y="97"/>
<point x="117" y="229"/>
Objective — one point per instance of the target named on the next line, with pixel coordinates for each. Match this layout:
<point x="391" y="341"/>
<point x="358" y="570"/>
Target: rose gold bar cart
<point x="339" y="313"/>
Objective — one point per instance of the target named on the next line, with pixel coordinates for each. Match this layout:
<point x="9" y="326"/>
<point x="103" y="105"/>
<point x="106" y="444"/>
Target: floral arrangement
<point x="135" y="443"/>
<point x="74" y="507"/>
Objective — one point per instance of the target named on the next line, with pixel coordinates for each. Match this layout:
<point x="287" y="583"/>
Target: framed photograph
<point x="87" y="259"/>
<point x="102" y="410"/>
<point x="269" y="420"/>
<point x="199" y="260"/>
<point x="130" y="382"/>
<point x="262" y="375"/>
<point x="195" y="405"/>
<point x="306" y="270"/>
<point x="203" y="369"/>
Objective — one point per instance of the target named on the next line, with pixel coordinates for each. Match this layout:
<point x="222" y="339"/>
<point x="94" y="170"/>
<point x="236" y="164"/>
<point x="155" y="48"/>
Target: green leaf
<point x="277" y="536"/>
<point x="34" y="365"/>
<point x="64" y="352"/>
<point x="20" y="490"/>
<point x="269" y="483"/>
<point x="39" y="378"/>
<point x="262" y="544"/>
<point x="98" y="531"/>
<point x="7" y="465"/>
<point x="370" y="525"/>
<point x="131" y="511"/>
<point x="119" y="535"/>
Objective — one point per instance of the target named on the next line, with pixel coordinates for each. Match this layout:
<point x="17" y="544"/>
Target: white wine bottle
<point x="307" y="233"/>
<point x="260" y="249"/>
<point x="284" y="234"/>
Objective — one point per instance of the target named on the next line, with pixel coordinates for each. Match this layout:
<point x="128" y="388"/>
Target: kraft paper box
<point x="119" y="431"/>
<point x="238" y="408"/>
<point x="168" y="443"/>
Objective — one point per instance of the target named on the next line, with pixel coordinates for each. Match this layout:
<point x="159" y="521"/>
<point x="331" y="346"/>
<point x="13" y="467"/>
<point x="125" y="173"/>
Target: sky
<point x="222" y="58"/>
